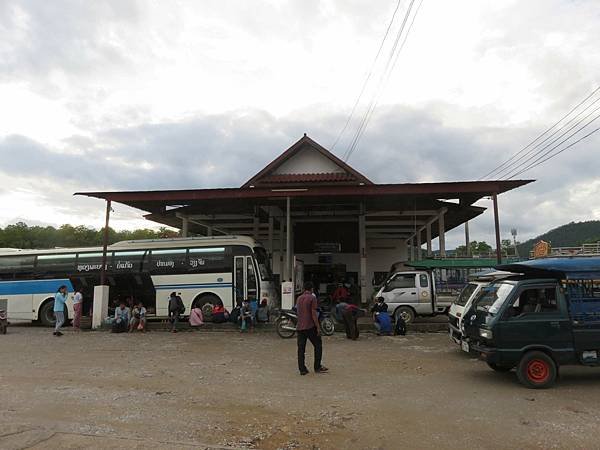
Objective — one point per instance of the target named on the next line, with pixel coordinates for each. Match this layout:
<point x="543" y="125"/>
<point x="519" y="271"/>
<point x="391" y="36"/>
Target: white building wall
<point x="308" y="160"/>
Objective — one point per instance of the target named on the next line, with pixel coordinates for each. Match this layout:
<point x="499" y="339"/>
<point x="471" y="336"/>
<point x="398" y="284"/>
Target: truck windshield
<point x="493" y="296"/>
<point x="465" y="294"/>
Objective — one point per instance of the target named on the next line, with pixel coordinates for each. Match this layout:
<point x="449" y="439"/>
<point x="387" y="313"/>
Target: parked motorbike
<point x="288" y="320"/>
<point x="3" y="321"/>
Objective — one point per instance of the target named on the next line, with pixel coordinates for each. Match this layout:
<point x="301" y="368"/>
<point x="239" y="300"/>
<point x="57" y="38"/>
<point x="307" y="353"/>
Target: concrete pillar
<point x="411" y="242"/>
<point x="281" y="248"/>
<point x="270" y="235"/>
<point x="419" y="254"/>
<point x="362" y="248"/>
<point x="428" y="233"/>
<point x="442" y="235"/>
<point x="185" y="226"/>
<point x="100" y="309"/>
<point x="289" y="270"/>
<point x="255" y="227"/>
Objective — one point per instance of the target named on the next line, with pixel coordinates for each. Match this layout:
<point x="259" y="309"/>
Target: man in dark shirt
<point x="309" y="328"/>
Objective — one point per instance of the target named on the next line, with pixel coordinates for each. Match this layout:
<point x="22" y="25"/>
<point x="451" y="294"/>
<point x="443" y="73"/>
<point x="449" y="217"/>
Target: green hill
<point x="570" y="235"/>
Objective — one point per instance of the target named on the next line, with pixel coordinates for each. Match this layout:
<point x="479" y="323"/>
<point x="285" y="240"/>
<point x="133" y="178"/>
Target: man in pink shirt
<point x="309" y="328"/>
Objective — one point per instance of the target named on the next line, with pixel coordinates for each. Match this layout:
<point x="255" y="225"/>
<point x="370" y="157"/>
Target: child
<point x="246" y="316"/>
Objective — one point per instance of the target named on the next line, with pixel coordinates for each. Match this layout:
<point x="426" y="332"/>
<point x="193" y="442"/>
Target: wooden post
<point x="105" y="245"/>
<point x="497" y="229"/>
<point x="362" y="248"/>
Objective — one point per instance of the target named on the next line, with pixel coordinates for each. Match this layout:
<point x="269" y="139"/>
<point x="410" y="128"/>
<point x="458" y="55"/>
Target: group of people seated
<point x="383" y="321"/>
<point x="129" y="319"/>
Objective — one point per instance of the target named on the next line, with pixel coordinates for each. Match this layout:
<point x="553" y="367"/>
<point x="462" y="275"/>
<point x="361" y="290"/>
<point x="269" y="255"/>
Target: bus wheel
<point x="537" y="370"/>
<point x="406" y="313"/>
<point x="46" y="314"/>
<point x="499" y="368"/>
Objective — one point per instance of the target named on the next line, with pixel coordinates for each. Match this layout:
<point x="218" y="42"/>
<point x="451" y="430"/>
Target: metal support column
<point x="467" y="240"/>
<point x="411" y="242"/>
<point x="497" y="229"/>
<point x="442" y="235"/>
<point x="185" y="226"/>
<point x="362" y="247"/>
<point x="428" y="235"/>
<point x="281" y="247"/>
<point x="419" y="254"/>
<point x="288" y="250"/>
<point x="270" y="235"/>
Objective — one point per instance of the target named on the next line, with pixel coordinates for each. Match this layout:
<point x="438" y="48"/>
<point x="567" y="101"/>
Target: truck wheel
<point x="537" y="370"/>
<point x="499" y="368"/>
<point x="46" y="314"/>
<point x="406" y="313"/>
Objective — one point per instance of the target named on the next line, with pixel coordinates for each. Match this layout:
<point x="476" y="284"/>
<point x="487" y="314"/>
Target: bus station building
<point x="308" y="205"/>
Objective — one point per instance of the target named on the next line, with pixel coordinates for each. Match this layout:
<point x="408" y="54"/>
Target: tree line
<point x="21" y="235"/>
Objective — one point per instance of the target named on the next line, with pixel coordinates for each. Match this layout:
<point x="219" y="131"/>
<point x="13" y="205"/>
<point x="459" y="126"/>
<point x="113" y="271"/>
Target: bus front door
<point x="245" y="283"/>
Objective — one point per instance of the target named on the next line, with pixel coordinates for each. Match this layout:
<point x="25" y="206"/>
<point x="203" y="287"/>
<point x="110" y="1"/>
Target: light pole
<point x="513" y="231"/>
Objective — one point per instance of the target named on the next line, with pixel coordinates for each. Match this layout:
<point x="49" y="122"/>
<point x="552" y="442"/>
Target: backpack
<point x="180" y="305"/>
<point x="400" y="327"/>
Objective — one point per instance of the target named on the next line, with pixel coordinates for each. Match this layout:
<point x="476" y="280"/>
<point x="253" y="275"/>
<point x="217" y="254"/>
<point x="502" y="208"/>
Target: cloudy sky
<point x="119" y="95"/>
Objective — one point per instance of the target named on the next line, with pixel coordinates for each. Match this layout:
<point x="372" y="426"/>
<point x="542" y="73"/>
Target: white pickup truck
<point x="412" y="293"/>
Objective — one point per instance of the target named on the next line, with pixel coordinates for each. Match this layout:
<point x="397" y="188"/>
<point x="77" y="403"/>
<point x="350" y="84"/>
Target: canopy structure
<point x="307" y="203"/>
<point x="574" y="268"/>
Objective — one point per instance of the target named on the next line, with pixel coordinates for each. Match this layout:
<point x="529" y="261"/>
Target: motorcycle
<point x="3" y="322"/>
<point x="288" y="320"/>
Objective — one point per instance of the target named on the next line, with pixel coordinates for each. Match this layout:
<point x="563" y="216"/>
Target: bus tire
<point x="205" y="302"/>
<point x="537" y="370"/>
<point x="406" y="312"/>
<point x="46" y="314"/>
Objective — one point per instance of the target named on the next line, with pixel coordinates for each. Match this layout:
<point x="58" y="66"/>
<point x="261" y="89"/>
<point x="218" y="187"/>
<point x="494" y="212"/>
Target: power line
<point x="541" y="151"/>
<point x="376" y="98"/>
<point x="559" y="152"/>
<point x="368" y="77"/>
<point x="540" y="136"/>
<point x="541" y="159"/>
<point x="534" y="151"/>
<point x="382" y="80"/>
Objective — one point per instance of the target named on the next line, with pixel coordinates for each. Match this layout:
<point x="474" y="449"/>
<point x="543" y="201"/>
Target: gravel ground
<point x="226" y="390"/>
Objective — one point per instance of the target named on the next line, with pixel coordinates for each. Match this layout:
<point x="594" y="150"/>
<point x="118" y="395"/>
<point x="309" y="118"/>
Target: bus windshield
<point x="492" y="297"/>
<point x="264" y="265"/>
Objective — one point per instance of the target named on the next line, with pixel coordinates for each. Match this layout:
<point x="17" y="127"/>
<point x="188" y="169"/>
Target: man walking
<point x="309" y="328"/>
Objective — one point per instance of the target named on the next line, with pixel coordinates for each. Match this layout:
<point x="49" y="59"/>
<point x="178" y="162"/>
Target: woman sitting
<point x="138" y="318"/>
<point x="196" y="317"/>
<point x="219" y="313"/>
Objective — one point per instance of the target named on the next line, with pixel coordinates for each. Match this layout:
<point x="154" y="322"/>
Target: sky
<point x="125" y="95"/>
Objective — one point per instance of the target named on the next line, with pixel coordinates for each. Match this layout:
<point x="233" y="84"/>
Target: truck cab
<point x="410" y="294"/>
<point x="545" y="316"/>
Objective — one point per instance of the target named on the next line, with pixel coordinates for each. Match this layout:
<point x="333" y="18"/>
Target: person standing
<point x="309" y="328"/>
<point x="176" y="308"/>
<point x="77" y="310"/>
<point x="60" y="300"/>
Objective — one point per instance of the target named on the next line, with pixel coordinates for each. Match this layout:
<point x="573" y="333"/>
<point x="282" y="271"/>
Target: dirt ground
<point x="225" y="390"/>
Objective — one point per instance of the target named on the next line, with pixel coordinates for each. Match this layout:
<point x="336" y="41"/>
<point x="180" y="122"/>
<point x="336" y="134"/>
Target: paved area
<point x="225" y="390"/>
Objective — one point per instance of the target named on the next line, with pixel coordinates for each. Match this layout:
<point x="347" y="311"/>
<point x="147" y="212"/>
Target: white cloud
<point x="137" y="94"/>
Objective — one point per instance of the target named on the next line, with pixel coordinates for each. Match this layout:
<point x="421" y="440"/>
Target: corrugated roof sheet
<point x="308" y="177"/>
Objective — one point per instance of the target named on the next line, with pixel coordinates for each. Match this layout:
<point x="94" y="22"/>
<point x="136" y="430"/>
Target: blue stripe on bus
<point x="192" y="286"/>
<point x="33" y="287"/>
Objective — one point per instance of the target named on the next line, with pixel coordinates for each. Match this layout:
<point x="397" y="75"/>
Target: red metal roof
<point x="262" y="177"/>
<point x="308" y="178"/>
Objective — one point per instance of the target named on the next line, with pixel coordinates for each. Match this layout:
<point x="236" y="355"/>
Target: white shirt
<point x="77" y="298"/>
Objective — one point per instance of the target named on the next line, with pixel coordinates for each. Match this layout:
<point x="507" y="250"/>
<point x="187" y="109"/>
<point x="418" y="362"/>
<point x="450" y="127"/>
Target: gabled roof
<point x="343" y="173"/>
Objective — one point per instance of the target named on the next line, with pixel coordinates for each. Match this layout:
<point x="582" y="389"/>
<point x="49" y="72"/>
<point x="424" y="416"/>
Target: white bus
<point x="201" y="270"/>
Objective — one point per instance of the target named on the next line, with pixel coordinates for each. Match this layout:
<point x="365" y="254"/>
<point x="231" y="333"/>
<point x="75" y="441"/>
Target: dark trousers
<point x="350" y="322"/>
<point x="315" y="340"/>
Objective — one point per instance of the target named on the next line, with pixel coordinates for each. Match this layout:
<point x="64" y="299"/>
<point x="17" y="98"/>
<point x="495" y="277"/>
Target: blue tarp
<point x="574" y="268"/>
